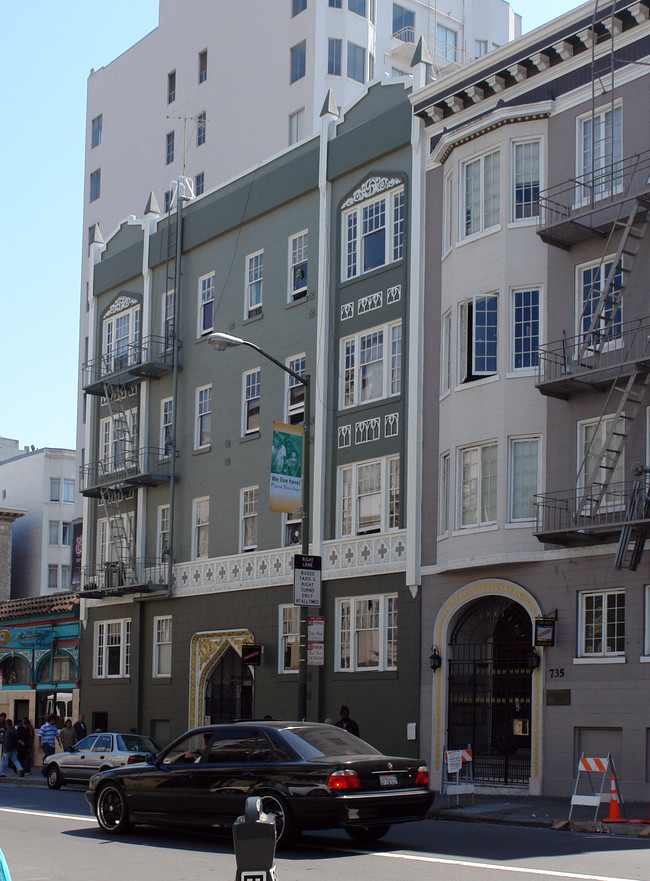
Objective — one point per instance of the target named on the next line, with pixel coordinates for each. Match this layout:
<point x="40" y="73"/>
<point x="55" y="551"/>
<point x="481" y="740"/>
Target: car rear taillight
<point x="422" y="778"/>
<point x="134" y="760"/>
<point x="345" y="779"/>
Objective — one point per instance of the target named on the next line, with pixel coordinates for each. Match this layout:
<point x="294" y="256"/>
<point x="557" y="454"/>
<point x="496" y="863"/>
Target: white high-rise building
<point x="218" y="87"/>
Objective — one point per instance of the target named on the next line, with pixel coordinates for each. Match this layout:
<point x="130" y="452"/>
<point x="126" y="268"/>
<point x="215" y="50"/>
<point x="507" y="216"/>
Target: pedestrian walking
<point x="80" y="727"/>
<point x="67" y="738"/>
<point x="10" y="753"/>
<point x="47" y="737"/>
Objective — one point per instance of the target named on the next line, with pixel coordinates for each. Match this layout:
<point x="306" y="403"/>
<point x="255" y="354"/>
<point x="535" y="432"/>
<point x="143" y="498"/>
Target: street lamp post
<point x="222" y="341"/>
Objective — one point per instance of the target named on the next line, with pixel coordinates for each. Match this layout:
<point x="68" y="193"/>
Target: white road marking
<point x="522" y="870"/>
<point x="48" y="814"/>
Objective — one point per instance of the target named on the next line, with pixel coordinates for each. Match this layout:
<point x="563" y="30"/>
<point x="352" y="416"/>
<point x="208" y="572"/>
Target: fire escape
<point x="611" y="202"/>
<point x="123" y="465"/>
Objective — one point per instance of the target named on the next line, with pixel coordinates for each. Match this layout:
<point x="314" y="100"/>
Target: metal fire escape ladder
<point x="633" y="536"/>
<point x="121" y="539"/>
<point x="124" y="435"/>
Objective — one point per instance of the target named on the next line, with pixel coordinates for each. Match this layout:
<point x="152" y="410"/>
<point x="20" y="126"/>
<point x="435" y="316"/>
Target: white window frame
<point x="96" y="131"/>
<point x="95" y="189"/>
<point x="353" y="488"/>
<point x="354" y="55"/>
<point x="169" y="148"/>
<point x="249" y="503"/>
<point x="162" y="647"/>
<point x="298" y="266"/>
<point x="361" y="223"/>
<point x="254" y="284"/>
<point x="166" y="426"/>
<point x="251" y="393"/>
<point x="603" y="424"/>
<point x="609" y="157"/>
<point x="288" y="638"/>
<point x="203" y="66"/>
<point x="68" y="491"/>
<point x="296" y="124"/>
<point x="526" y="173"/>
<point x="363" y="381"/>
<point x="371" y="614"/>
<point x="205" y="303"/>
<point x="167" y="313"/>
<point x="468" y="332"/>
<point x="110" y="634"/>
<point x="515" y="485"/>
<point x="55" y="489"/>
<point x="201" y="128"/>
<point x="446" y="47"/>
<point x="200" y="527"/>
<point x="297" y="62"/>
<point x="486" y="208"/>
<point x="66" y="534"/>
<point x="607" y="627"/>
<point x="446" y="364"/>
<point x="203" y="418"/>
<point x="121" y="333"/>
<point x="53" y="577"/>
<point x="480" y="48"/>
<point x="600" y="270"/>
<point x="295" y="391"/>
<point x="116" y="450"/>
<point x="448" y="238"/>
<point x="444" y="495"/>
<point x="335" y="56"/>
<point x="162" y="530"/>
<point x="483" y="516"/>
<point x="529" y="324"/>
<point x="53" y="533"/>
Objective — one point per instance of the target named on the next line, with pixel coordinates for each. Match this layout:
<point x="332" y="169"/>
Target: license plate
<point x="388" y="779"/>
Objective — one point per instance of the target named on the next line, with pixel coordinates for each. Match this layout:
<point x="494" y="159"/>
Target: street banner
<point x="286" y="468"/>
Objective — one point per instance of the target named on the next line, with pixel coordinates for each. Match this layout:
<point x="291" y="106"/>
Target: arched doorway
<point x="490" y="687"/>
<point x="229" y="689"/>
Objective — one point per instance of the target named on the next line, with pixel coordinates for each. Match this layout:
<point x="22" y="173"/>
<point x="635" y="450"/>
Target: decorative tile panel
<point x="367" y="431"/>
<point x="367" y="304"/>
<point x="342" y="558"/>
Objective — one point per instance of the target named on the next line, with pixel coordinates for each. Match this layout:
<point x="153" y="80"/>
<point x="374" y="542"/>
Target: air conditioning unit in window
<point x="292" y="534"/>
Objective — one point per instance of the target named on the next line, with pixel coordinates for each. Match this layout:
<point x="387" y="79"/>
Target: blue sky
<point x="47" y="54"/>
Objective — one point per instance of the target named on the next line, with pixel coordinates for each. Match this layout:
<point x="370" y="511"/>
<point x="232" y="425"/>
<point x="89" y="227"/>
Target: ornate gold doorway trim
<point x="205" y="650"/>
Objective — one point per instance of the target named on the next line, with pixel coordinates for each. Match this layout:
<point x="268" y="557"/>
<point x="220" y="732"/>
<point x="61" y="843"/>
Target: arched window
<point x="15" y="670"/>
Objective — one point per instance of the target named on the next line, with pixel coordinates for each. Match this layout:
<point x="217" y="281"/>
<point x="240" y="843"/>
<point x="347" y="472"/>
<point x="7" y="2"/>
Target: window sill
<point x="524" y="221"/>
<point x="522" y="373"/>
<point x="251" y="318"/>
<point x="371" y="273"/>
<point x="201" y="451"/>
<point x="599" y="659"/>
<point x="477" y="236"/>
<point x="254" y="435"/>
<point x="472" y="530"/>
<point x="477" y="383"/>
<point x="520" y="524"/>
<point x="644" y="659"/>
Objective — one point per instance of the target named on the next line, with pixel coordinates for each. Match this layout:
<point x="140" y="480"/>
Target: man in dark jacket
<point x="79" y="727"/>
<point x="11" y="743"/>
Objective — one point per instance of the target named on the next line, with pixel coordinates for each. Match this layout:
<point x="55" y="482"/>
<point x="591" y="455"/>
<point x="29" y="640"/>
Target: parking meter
<point x="254" y="838"/>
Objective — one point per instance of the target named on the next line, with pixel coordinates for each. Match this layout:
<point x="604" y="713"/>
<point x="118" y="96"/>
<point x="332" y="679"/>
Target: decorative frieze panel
<point x="120" y="305"/>
<point x="394" y="294"/>
<point x="391" y="425"/>
<point x="368" y="304"/>
<point x="347" y="311"/>
<point x="346" y="557"/>
<point x="345" y="436"/>
<point x="371" y="187"/>
<point x="368" y="430"/>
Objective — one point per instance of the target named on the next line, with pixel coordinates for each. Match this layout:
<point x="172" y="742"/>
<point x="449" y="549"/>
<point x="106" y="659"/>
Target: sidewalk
<point x="543" y="811"/>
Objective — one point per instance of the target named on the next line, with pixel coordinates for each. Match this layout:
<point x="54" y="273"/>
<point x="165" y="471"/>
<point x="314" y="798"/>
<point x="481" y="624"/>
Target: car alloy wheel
<point x="54" y="779"/>
<point x="110" y="809"/>
<point x="285" y="827"/>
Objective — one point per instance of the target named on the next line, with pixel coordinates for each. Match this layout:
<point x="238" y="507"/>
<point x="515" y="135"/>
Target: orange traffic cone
<point x="614" y="811"/>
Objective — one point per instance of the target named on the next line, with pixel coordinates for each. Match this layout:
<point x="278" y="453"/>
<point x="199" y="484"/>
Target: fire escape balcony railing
<point x="147" y="466"/>
<point x="561" y="373"/>
<point x="118" y="576"/>
<point x="560" y="519"/>
<point x="149" y="358"/>
<point x="579" y="208"/>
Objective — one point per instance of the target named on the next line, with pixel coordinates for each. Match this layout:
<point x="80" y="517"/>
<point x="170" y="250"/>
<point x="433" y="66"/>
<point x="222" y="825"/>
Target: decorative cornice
<point x="120" y="305"/>
<point x="371" y="187"/>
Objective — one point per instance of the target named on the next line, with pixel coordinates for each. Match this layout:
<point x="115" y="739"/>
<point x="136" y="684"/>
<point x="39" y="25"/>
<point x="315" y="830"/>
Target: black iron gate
<point x="490" y="690"/>
<point x="229" y="690"/>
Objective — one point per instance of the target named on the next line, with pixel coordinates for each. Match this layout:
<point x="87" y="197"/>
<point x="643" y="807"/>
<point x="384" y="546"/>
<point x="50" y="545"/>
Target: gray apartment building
<point x="308" y="257"/>
<point x="534" y="577"/>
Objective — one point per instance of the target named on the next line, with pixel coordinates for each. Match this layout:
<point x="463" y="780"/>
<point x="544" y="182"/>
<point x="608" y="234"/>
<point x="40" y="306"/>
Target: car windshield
<point x="326" y="742"/>
<point x="137" y="743"/>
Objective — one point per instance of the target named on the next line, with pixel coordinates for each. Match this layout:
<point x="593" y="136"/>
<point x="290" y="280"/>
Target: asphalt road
<point x="50" y="836"/>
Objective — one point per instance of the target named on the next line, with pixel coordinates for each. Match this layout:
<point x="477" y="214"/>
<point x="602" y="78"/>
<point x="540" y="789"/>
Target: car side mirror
<point x="150" y="758"/>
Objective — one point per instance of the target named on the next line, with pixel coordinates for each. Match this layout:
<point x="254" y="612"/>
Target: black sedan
<point x="308" y="776"/>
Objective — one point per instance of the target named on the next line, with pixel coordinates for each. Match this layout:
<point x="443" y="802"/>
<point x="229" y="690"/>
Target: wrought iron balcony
<point x="148" y="466"/>
<point x="584" y="207"/>
<point x="129" y="363"/>
<point x="118" y="577"/>
<point x="560" y="520"/>
<point x="562" y="374"/>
